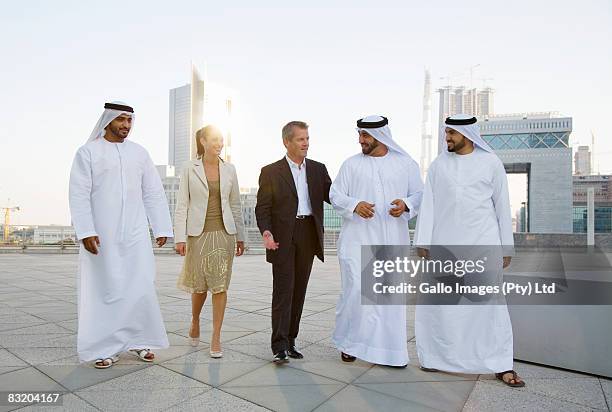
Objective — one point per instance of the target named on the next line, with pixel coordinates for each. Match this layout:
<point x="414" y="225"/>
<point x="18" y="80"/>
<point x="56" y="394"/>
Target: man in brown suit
<point x="289" y="215"/>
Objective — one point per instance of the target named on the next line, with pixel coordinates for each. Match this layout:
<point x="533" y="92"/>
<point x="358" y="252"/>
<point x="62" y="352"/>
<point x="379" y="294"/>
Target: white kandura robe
<point x="374" y="333"/>
<point x="114" y="187"/>
<point x="465" y="202"/>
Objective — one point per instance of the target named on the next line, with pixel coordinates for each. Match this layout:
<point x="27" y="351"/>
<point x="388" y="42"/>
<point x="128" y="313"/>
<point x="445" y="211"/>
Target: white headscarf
<point x="470" y="131"/>
<point x="108" y="116"/>
<point x="382" y="134"/>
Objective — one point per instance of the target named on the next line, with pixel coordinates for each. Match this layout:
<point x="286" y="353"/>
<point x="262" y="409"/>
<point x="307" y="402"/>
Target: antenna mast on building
<point x="593" y="152"/>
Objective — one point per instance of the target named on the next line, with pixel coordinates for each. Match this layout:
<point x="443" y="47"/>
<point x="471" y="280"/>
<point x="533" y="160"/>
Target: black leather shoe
<point x="280" y="357"/>
<point x="294" y="353"/>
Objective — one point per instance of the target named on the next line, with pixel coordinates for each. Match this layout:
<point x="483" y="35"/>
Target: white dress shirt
<point x="301" y="185"/>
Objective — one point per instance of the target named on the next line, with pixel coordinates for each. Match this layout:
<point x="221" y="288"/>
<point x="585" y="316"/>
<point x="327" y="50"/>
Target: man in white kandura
<point x="376" y="192"/>
<point x="114" y="188"/>
<point x="466" y="202"/>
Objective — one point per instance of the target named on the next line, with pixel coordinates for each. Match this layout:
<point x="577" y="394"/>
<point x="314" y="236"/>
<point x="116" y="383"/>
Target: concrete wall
<point x="550" y="187"/>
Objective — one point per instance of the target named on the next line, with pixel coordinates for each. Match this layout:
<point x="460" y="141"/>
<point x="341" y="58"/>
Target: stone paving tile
<point x="488" y="397"/>
<point x="70" y="403"/>
<point x="10" y="327"/>
<point x="206" y="334"/>
<point x="80" y="376"/>
<point x="8" y="359"/>
<point x="312" y="336"/>
<point x="6" y="369"/>
<point x="150" y="377"/>
<point x="254" y="326"/>
<point x="582" y="391"/>
<point x="300" y="398"/>
<point x="9" y="362"/>
<point x="442" y="396"/>
<point x="259" y="351"/>
<point x="315" y="352"/>
<point x="257" y="338"/>
<point x="57" y="316"/>
<point x="383" y="374"/>
<point x="36" y="356"/>
<point x="216" y="400"/>
<point x="528" y="371"/>
<point x="152" y="388"/>
<point x="334" y="369"/>
<point x="203" y="357"/>
<point x="144" y="399"/>
<point x="281" y="375"/>
<point x="357" y="399"/>
<point x="18" y="318"/>
<point x="43" y="329"/>
<point x="71" y="325"/>
<point x="28" y="380"/>
<point x="215" y="374"/>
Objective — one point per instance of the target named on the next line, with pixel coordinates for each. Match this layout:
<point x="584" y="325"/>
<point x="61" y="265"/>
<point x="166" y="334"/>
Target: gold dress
<point x="209" y="257"/>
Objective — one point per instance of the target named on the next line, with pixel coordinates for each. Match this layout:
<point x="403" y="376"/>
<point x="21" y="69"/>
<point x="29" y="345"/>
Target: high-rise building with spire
<point x="426" y="140"/>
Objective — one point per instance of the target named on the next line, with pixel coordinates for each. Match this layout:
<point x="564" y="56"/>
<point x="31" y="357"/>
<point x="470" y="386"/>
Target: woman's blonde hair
<point x="204" y="133"/>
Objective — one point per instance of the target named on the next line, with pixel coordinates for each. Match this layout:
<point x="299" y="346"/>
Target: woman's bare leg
<point x="219" y="301"/>
<point x="197" y="302"/>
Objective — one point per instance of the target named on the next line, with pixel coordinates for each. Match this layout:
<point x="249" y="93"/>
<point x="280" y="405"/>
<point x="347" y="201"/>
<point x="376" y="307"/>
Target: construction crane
<point x="449" y="79"/>
<point x="7" y="219"/>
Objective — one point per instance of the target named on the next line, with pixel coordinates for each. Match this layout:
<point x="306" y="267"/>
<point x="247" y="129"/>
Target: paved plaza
<point x="38" y="353"/>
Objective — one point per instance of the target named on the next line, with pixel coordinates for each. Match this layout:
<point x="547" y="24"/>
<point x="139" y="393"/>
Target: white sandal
<point x="106" y="363"/>
<point x="141" y="353"/>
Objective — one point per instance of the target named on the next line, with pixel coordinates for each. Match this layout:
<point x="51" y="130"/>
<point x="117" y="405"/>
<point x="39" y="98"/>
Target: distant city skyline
<point x="326" y="65"/>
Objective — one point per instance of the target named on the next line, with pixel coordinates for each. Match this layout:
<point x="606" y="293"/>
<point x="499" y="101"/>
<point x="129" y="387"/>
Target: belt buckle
<point x="301" y="217"/>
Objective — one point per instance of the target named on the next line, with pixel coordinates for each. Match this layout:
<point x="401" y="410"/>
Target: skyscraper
<point x="186" y="117"/>
<point x="456" y="100"/>
<point x="426" y="126"/>
<point x="193" y="106"/>
<point x="582" y="161"/>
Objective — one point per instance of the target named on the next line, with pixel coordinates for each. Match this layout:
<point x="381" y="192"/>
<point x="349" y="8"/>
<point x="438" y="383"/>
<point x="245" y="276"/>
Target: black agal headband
<point x="120" y="107"/>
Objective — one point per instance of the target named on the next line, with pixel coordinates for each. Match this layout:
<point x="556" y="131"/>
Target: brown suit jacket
<point x="277" y="203"/>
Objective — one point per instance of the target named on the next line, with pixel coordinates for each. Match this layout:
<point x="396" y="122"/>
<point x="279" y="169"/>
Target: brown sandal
<point x="515" y="378"/>
<point x="347" y="358"/>
<point x="424" y="369"/>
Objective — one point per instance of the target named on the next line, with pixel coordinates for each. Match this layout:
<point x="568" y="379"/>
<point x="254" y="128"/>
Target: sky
<point x="327" y="63"/>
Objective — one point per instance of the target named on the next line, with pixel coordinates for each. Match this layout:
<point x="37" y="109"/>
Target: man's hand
<point x="364" y="209"/>
<point x="239" y="248"/>
<point x="400" y="207"/>
<point x="268" y="240"/>
<point x="423" y="253"/>
<point x="91" y="244"/>
<point x="180" y="248"/>
<point x="507" y="260"/>
<point x="161" y="241"/>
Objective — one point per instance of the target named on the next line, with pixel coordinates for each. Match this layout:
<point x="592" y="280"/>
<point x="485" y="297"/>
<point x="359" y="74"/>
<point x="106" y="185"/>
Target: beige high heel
<point x="193" y="341"/>
<point x="215" y="354"/>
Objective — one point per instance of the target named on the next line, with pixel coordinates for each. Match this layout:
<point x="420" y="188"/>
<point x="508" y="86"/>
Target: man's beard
<point x="117" y="132"/>
<point x="369" y="148"/>
<point x="456" y="146"/>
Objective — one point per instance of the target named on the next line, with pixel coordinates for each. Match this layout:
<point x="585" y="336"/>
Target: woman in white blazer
<point x="209" y="231"/>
